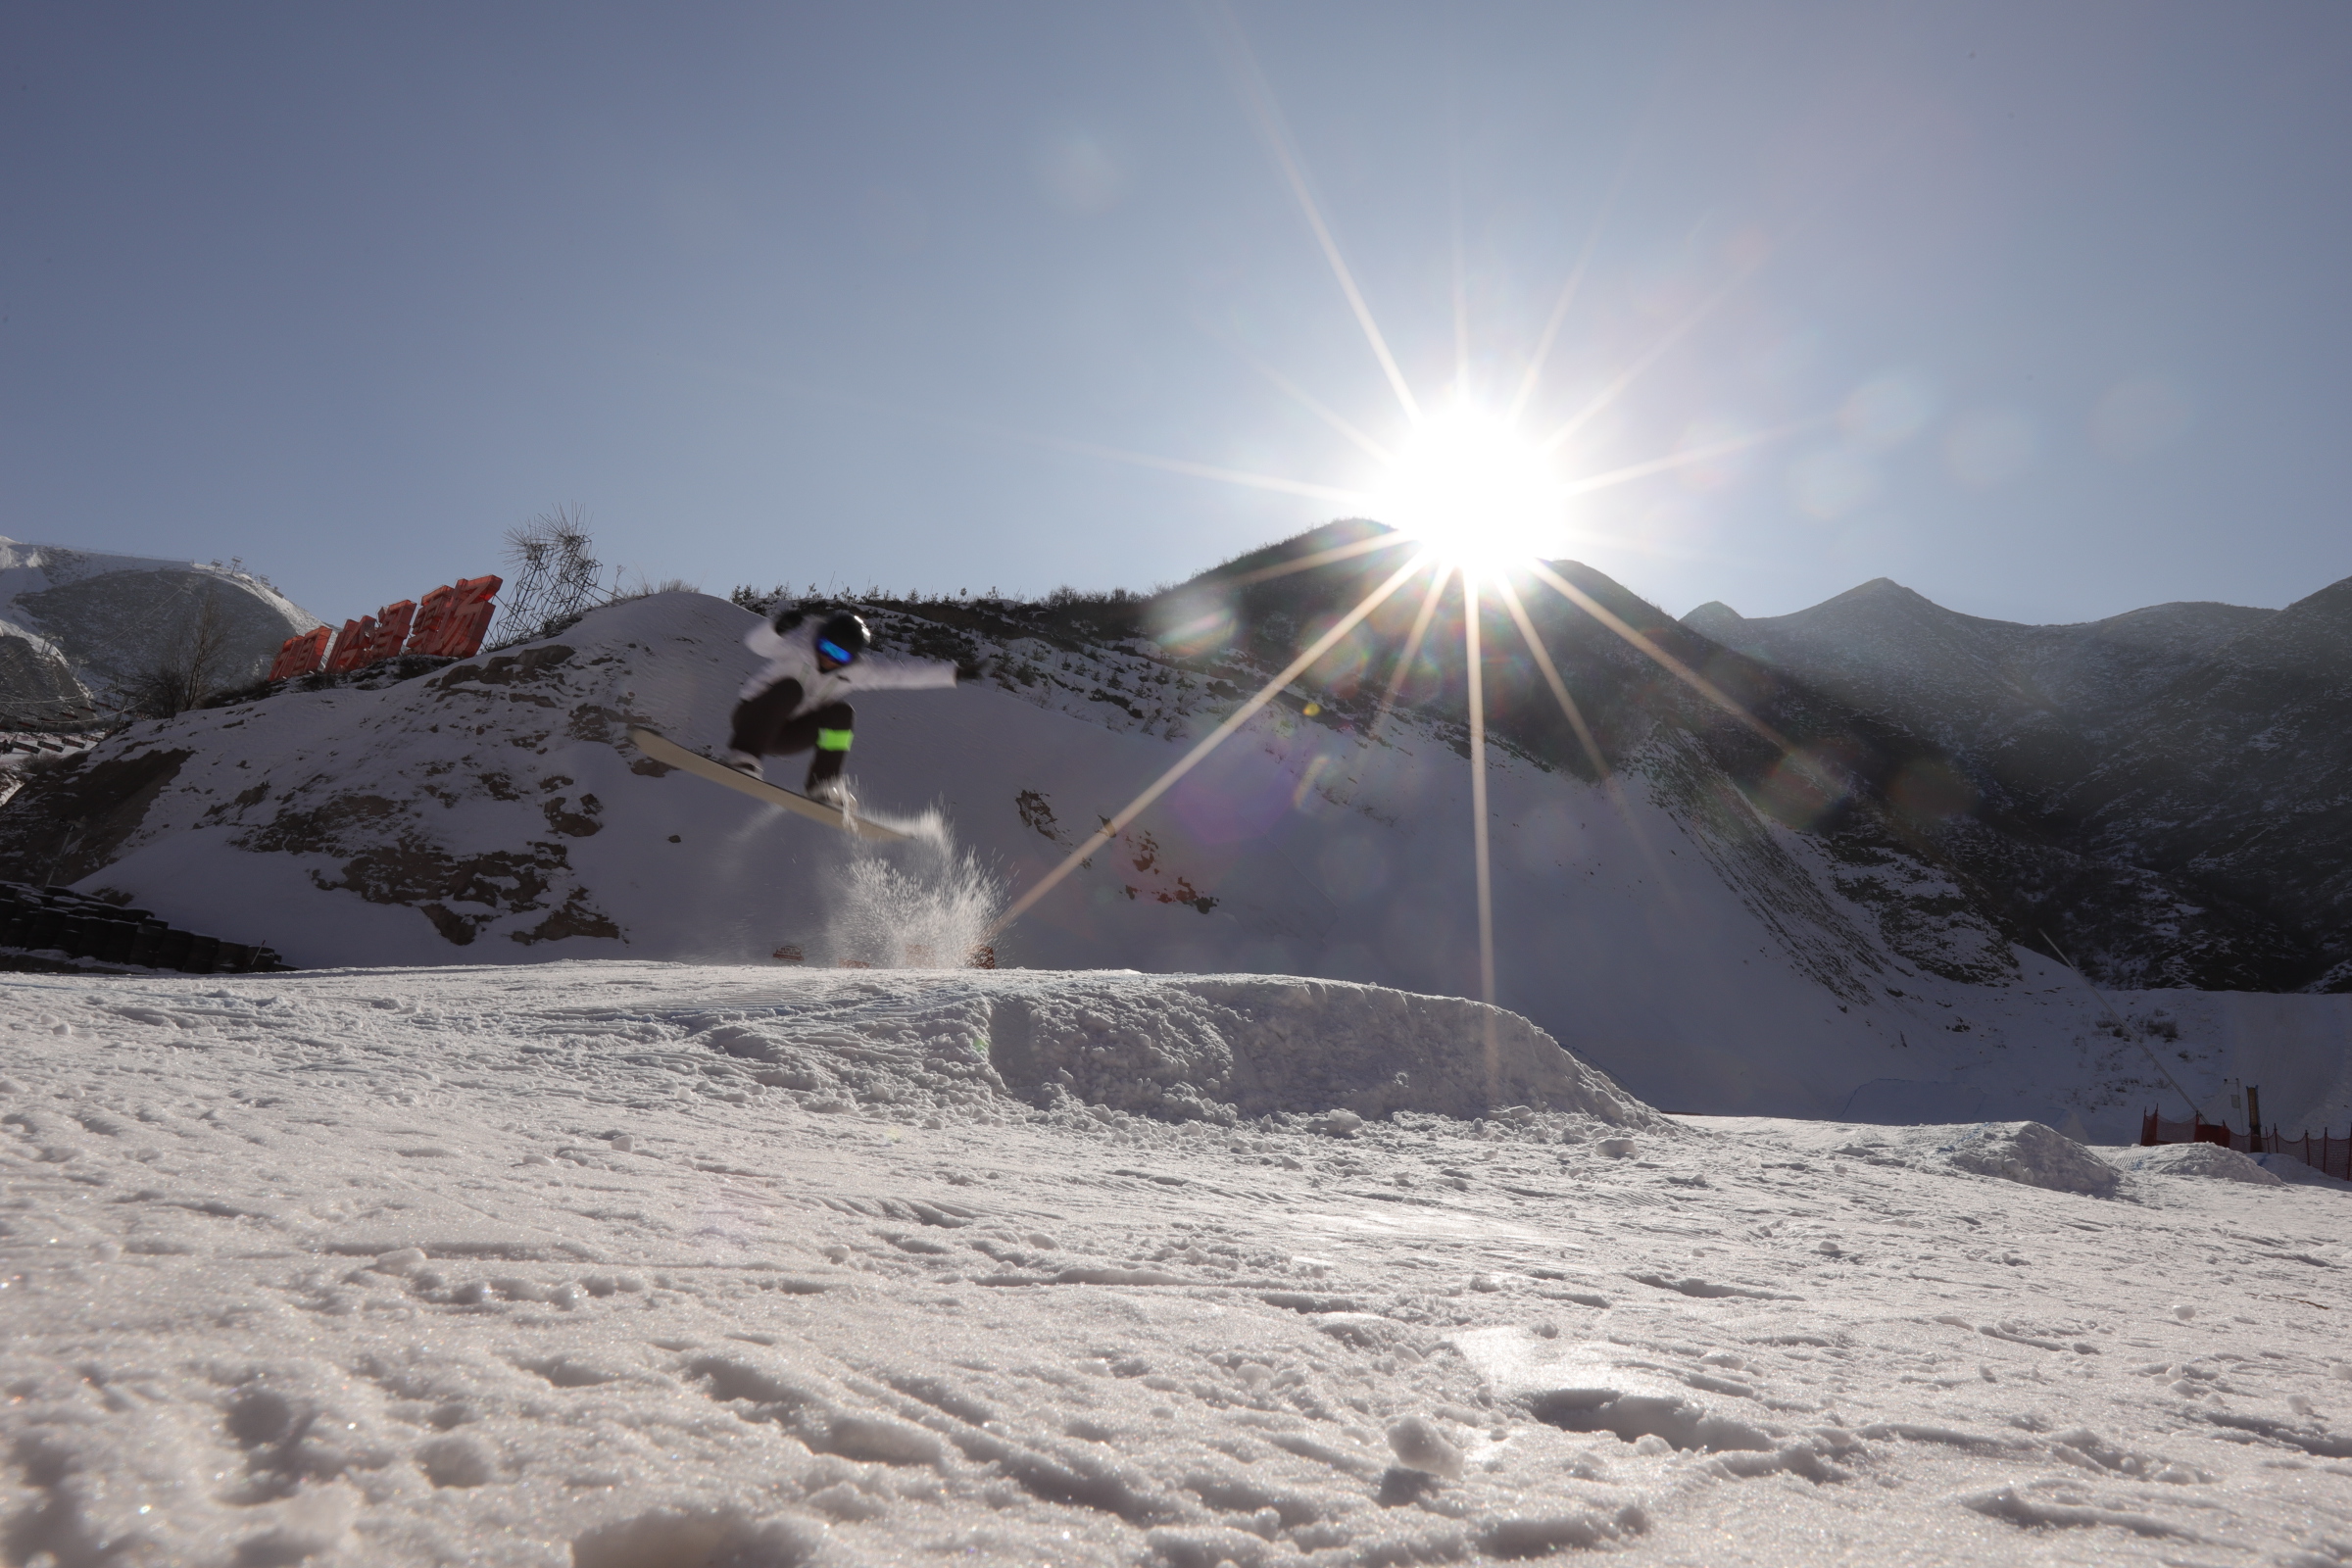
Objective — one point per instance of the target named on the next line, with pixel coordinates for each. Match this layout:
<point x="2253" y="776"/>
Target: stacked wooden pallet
<point x="39" y="919"/>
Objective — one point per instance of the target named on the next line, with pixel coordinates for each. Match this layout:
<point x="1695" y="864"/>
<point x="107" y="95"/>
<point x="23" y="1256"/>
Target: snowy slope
<point x="108" y="619"/>
<point x="1709" y="957"/>
<point x="631" y="1265"/>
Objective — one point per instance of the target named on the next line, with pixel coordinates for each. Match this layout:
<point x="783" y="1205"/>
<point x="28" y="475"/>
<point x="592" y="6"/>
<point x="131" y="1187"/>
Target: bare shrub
<point x="188" y="672"/>
<point x="644" y="587"/>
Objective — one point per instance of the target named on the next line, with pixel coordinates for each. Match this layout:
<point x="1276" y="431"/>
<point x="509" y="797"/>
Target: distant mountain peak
<point x="1715" y="619"/>
<point x="1879" y="590"/>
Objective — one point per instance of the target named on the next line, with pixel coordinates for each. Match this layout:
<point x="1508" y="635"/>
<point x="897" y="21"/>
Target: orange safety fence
<point x="2327" y="1154"/>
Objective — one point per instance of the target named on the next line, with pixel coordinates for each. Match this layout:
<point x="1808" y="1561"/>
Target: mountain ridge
<point x="2170" y="742"/>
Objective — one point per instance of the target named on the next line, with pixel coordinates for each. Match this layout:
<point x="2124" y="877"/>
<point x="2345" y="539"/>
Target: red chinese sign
<point x="450" y="623"/>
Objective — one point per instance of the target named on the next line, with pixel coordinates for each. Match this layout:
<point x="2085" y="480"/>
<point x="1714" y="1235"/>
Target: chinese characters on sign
<point x="450" y="623"/>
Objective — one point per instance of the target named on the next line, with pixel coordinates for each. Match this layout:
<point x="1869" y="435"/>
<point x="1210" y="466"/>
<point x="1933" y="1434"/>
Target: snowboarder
<point x="795" y="703"/>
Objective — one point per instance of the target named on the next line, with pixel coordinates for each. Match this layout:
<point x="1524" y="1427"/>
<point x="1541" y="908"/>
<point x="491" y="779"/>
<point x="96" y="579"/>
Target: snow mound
<point x="2295" y="1173"/>
<point x="2027" y="1152"/>
<point x="2191" y="1160"/>
<point x="1217" y="1045"/>
<point x="1214" y="1049"/>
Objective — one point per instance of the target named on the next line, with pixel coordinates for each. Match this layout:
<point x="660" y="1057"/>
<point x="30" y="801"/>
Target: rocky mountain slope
<point x="76" y="625"/>
<point x="1799" y="922"/>
<point x="2201" y="754"/>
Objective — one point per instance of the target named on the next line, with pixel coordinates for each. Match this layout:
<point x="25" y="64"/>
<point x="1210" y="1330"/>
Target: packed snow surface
<point x="630" y="1263"/>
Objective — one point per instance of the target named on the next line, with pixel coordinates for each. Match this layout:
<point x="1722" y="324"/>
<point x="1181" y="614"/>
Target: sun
<point x="1474" y="491"/>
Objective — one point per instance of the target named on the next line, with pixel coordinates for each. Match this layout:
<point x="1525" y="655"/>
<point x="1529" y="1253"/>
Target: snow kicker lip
<point x="1175" y="1048"/>
<point x="1254" y="1046"/>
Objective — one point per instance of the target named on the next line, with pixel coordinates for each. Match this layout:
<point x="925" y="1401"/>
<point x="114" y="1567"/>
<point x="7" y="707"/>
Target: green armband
<point x="832" y="740"/>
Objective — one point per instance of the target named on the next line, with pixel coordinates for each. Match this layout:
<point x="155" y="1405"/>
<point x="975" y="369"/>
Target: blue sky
<point x="2049" y="300"/>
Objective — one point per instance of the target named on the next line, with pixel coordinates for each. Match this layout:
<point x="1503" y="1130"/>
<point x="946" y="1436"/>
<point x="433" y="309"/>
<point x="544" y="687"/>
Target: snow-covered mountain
<point x="75" y="623"/>
<point x="1702" y="920"/>
<point x="2201" y="752"/>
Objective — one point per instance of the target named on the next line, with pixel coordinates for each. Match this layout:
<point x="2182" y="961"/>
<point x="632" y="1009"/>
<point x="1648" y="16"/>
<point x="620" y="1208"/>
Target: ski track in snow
<point x="623" y="1264"/>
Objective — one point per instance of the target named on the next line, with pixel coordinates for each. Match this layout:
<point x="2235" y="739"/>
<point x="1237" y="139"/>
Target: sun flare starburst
<point x="1473" y="491"/>
<point x="1472" y="502"/>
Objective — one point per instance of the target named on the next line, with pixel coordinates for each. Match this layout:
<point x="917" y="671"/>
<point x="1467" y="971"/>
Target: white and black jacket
<point x="792" y="655"/>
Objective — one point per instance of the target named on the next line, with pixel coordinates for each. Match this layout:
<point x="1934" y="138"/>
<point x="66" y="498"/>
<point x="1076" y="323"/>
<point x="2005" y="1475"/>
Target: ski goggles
<point x="835" y="651"/>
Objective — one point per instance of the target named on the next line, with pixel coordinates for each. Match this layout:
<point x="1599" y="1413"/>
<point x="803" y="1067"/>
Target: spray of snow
<point x="925" y="904"/>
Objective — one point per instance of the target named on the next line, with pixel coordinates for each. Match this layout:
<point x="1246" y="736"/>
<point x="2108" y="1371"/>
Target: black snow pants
<point x="765" y="726"/>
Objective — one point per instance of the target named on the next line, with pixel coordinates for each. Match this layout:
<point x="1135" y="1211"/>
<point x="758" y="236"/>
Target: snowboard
<point x="661" y="748"/>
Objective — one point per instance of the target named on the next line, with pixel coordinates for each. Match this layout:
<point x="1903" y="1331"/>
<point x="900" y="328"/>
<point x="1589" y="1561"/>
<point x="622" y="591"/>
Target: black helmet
<point x="843" y="637"/>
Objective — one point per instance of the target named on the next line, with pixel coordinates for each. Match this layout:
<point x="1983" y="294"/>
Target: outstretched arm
<point x="880" y="673"/>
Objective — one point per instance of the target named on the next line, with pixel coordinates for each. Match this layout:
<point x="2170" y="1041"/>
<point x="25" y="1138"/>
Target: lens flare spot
<point x="1352" y="868"/>
<point x="1831" y="481"/>
<point x="1889" y="411"/>
<point x="1194" y="624"/>
<point x="1080" y="174"/>
<point x="2135" y="418"/>
<point x="1932" y="790"/>
<point x="1992" y="447"/>
<point x="1341" y="671"/>
<point x="1803" y="790"/>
